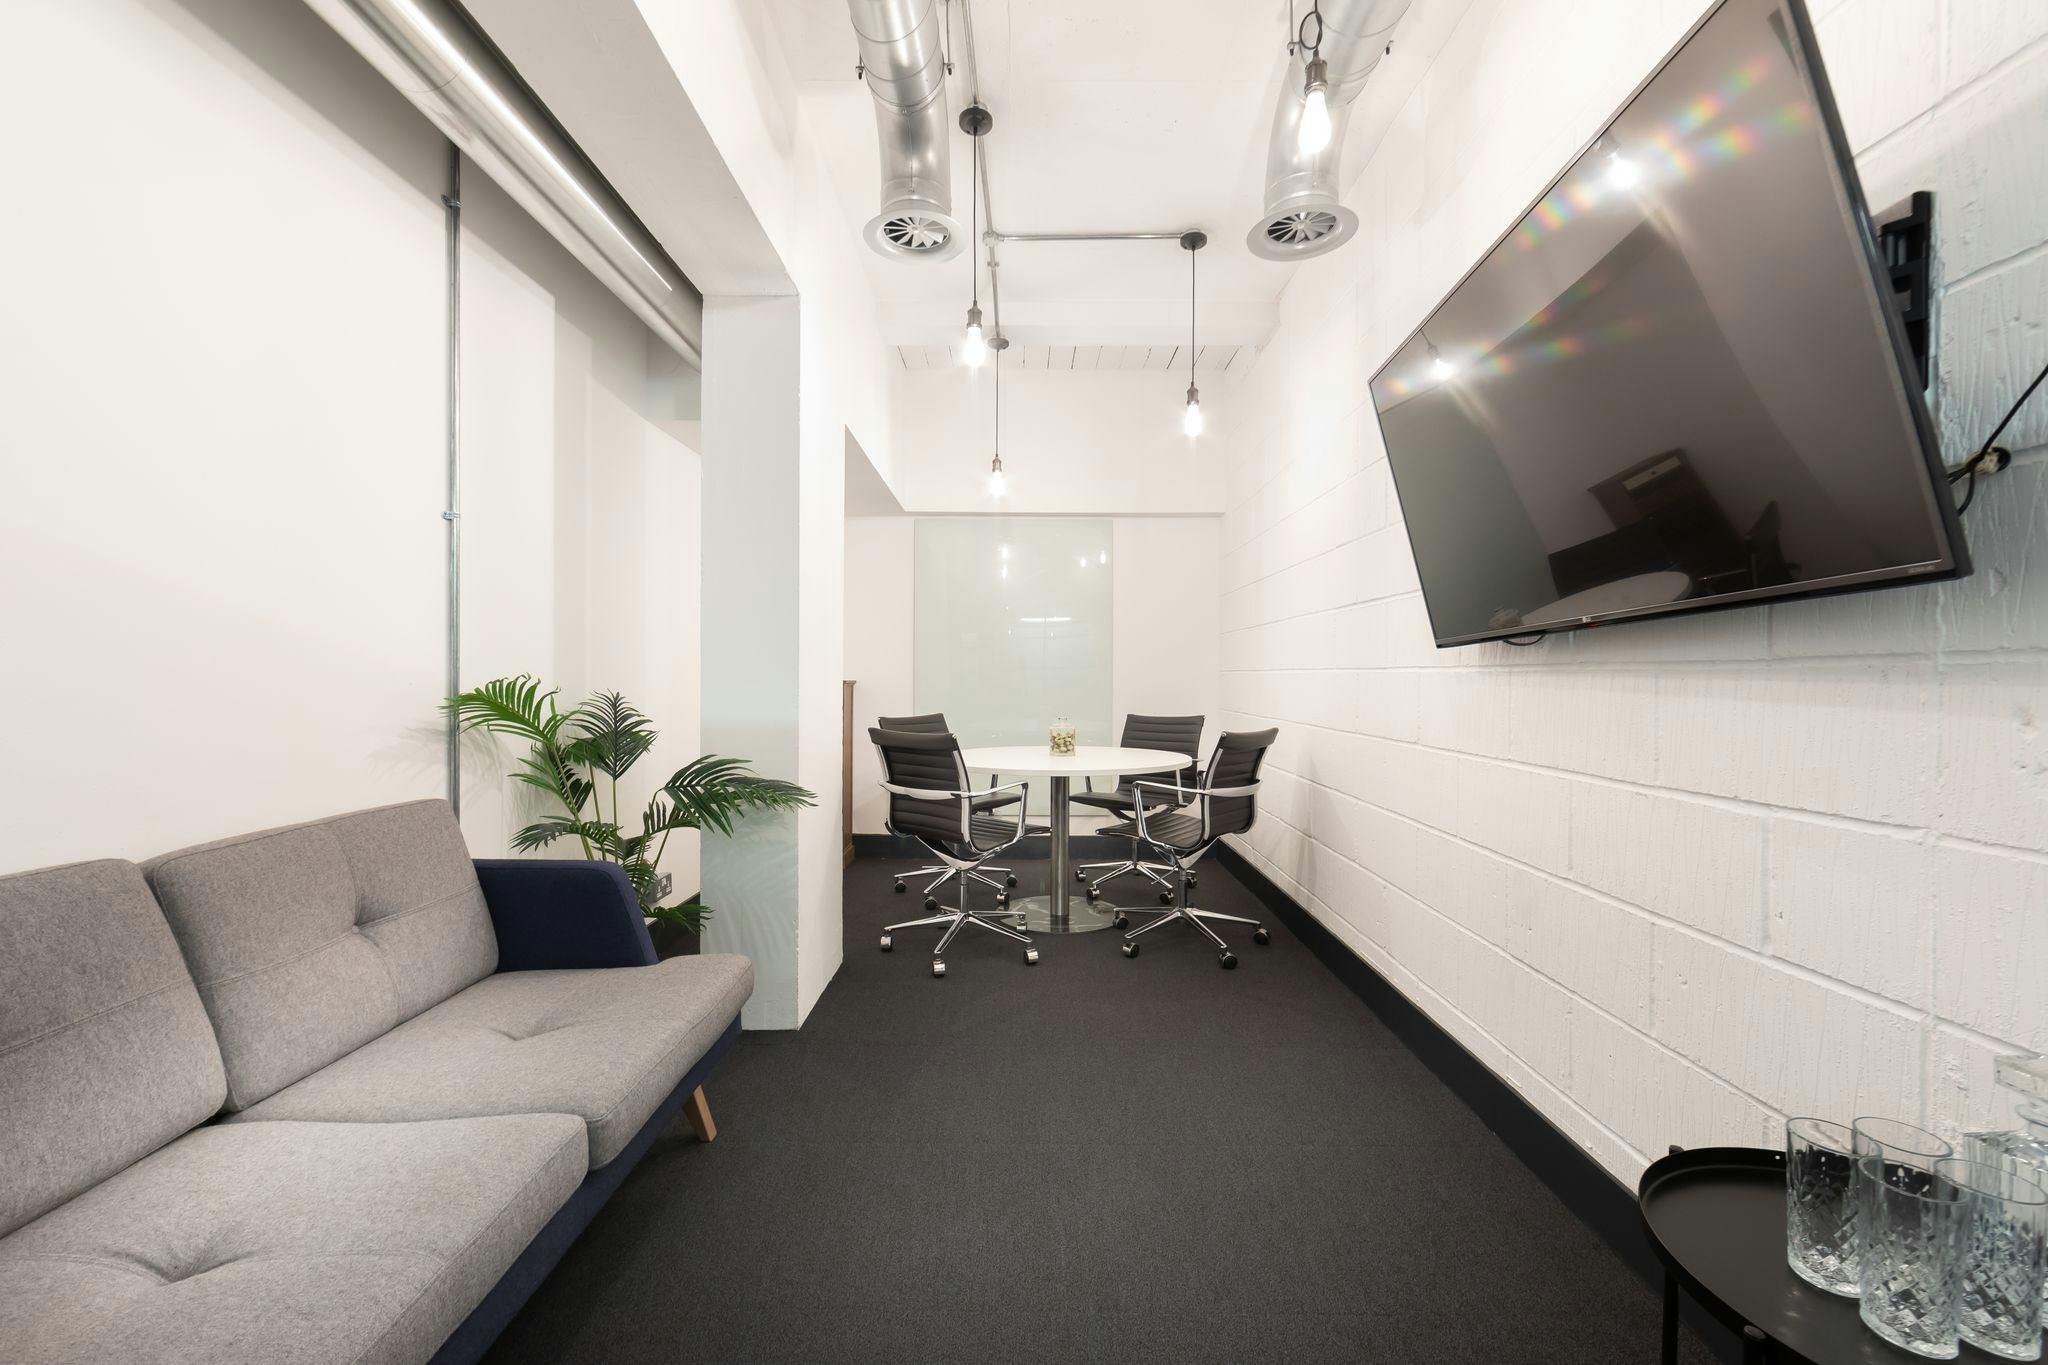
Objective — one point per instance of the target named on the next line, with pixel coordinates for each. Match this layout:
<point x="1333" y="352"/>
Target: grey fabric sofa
<point x="272" y="1099"/>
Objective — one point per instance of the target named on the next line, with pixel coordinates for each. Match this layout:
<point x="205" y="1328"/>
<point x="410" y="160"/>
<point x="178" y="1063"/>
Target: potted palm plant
<point x="576" y="757"/>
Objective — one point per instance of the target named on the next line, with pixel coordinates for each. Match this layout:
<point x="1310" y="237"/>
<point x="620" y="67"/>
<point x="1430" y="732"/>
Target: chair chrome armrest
<point x="920" y="794"/>
<point x="1023" y="790"/>
<point x="1205" y="793"/>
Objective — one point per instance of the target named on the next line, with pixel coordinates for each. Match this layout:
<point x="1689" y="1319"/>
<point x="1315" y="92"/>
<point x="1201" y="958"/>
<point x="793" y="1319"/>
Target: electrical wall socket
<point x="664" y="886"/>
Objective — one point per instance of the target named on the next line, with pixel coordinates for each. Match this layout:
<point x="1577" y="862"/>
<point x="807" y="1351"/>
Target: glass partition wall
<point x="1011" y="628"/>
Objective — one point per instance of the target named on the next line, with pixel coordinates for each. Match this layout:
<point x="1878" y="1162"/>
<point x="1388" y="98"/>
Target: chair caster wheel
<point x="1130" y="950"/>
<point x="1010" y="880"/>
<point x="1192" y="879"/>
<point x="901" y="888"/>
<point x="1002" y="898"/>
<point x="1031" y="956"/>
<point x="1261" y="937"/>
<point x="1121" y="921"/>
<point x="887" y="943"/>
<point x="931" y="903"/>
<point x="1226" y="960"/>
<point x="938" y="967"/>
<point x="1166" y="898"/>
<point x="1079" y="875"/>
<point x="1092" y="894"/>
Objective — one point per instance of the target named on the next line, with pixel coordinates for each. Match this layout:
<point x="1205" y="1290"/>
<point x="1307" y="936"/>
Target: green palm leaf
<point x="597" y="834"/>
<point x="508" y="706"/>
<point x="611" y="734"/>
<point x="549" y="767"/>
<point x="711" y="792"/>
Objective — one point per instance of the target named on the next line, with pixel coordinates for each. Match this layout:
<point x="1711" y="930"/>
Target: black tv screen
<point x="1678" y="381"/>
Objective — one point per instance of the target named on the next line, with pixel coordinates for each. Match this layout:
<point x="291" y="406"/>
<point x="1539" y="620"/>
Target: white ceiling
<point x="1138" y="115"/>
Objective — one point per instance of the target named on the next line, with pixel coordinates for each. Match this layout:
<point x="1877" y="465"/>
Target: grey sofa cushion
<point x="308" y="941"/>
<point x="607" y="1045"/>
<point x="286" y="1243"/>
<point x="105" y="1052"/>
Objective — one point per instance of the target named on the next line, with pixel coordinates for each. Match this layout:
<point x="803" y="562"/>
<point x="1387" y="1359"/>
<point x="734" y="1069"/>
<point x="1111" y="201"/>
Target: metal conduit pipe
<point x="1302" y="217"/>
<point x="903" y="57"/>
<point x="428" y="49"/>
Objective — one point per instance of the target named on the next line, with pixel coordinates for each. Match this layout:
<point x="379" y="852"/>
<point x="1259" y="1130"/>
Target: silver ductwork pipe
<point x="1302" y="217"/>
<point x="429" y="51"/>
<point x="902" y="54"/>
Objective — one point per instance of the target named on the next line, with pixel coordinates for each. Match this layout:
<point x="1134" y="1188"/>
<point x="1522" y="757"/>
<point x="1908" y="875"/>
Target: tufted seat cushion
<point x="286" y="1244"/>
<point x="309" y="941"/>
<point x="606" y="1045"/>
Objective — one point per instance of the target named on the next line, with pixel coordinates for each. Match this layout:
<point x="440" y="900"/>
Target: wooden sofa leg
<point x="699" y="1112"/>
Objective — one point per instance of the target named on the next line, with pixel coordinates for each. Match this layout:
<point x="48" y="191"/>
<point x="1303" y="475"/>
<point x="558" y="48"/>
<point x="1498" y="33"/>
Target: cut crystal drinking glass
<point x="2004" y="1257"/>
<point x="1909" y="1258"/>
<point x="1820" y="1205"/>
<point x="2024" y="1151"/>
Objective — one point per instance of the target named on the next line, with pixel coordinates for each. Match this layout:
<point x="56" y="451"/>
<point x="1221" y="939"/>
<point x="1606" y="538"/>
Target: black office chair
<point x="1226" y="802"/>
<point x="1176" y="734"/>
<point x="935" y="724"/>
<point x="932" y="800"/>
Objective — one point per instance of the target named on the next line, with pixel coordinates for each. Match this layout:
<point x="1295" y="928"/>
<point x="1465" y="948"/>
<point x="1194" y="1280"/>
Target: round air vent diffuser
<point x="914" y="233"/>
<point x="1295" y="234"/>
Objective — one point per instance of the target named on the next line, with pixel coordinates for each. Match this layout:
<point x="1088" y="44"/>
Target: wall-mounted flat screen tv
<point x="1678" y="382"/>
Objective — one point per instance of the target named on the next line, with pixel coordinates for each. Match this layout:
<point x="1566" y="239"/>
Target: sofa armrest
<point x="563" y="913"/>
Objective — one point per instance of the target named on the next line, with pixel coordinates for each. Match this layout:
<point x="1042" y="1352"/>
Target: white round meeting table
<point x="1055" y="913"/>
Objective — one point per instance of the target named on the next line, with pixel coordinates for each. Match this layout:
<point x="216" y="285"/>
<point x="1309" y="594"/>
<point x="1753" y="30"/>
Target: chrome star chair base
<point x="942" y="814"/>
<point x="986" y="876"/>
<point x="1161" y="874"/>
<point x="1226" y="803"/>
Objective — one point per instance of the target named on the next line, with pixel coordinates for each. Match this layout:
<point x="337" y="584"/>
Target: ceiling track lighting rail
<point x="1175" y="236"/>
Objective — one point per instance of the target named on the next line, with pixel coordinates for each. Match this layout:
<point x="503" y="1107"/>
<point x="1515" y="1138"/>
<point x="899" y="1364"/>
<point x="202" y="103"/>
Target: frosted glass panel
<point x="1012" y="627"/>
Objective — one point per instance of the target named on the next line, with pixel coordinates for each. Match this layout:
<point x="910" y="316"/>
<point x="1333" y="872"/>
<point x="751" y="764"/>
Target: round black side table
<point x="1716" y="1216"/>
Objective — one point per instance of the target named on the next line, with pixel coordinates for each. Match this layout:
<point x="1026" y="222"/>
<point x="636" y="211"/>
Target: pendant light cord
<point x="973" y="225"/>
<point x="1191" y="315"/>
<point x="1313" y="49"/>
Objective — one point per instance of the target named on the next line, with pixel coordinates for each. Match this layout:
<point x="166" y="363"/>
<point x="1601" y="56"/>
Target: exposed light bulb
<point x="1191" y="415"/>
<point x="1622" y="174"/>
<point x="1441" y="369"/>
<point x="997" y="483"/>
<point x="1313" y="133"/>
<point x="974" y="346"/>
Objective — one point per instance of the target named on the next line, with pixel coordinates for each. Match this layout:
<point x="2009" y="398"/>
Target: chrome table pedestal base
<point x="1043" y="916"/>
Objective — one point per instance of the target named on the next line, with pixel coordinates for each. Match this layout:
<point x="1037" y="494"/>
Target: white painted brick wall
<point x="1679" y="880"/>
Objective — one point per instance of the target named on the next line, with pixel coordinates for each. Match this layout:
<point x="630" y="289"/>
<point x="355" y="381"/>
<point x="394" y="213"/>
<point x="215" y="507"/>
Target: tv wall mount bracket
<point x="1907" y="241"/>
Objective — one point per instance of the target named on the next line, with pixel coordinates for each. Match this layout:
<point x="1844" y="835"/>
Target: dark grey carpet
<point x="1090" y="1159"/>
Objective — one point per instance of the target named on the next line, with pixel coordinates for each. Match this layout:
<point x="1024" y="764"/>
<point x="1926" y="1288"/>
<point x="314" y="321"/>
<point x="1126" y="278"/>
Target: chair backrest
<point x="924" y="762"/>
<point x="1175" y="734"/>
<point x="931" y="724"/>
<point x="1234" y="763"/>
